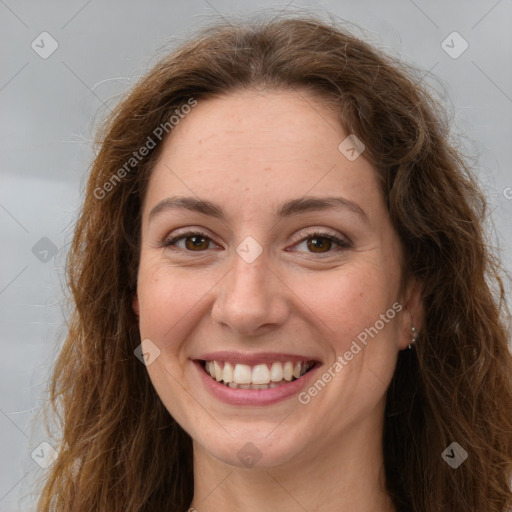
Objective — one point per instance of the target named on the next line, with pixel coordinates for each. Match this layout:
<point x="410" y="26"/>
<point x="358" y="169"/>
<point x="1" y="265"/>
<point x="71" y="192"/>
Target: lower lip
<point x="234" y="396"/>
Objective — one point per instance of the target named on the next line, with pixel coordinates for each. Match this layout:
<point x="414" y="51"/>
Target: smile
<point x="259" y="376"/>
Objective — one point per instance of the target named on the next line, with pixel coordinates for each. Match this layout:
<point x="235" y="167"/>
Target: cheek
<point x="169" y="309"/>
<point x="167" y="296"/>
<point x="349" y="300"/>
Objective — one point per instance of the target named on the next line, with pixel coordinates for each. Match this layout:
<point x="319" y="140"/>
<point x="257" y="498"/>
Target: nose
<point x="252" y="299"/>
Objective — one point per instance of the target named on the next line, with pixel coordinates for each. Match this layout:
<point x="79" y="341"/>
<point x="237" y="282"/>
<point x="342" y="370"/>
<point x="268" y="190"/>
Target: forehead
<point x="259" y="147"/>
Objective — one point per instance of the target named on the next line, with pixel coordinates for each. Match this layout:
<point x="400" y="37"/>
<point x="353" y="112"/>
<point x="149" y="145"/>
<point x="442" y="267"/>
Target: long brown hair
<point x="120" y="450"/>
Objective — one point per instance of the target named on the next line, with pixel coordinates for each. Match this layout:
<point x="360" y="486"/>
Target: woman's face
<point x="268" y="249"/>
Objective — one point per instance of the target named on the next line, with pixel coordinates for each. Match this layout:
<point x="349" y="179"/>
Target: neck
<point x="344" y="474"/>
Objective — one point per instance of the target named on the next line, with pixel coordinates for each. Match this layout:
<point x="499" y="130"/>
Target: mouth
<point x="257" y="379"/>
<point x="265" y="375"/>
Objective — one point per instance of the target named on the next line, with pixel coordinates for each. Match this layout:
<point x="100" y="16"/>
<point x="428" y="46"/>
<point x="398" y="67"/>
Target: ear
<point x="135" y="305"/>
<point x="413" y="313"/>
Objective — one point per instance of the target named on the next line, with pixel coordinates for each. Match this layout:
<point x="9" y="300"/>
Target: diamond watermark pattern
<point x="44" y="45"/>
<point x="454" y="455"/>
<point x="454" y="45"/>
<point x="351" y="147"/>
<point x="44" y="250"/>
<point x="147" y="352"/>
<point x="44" y="455"/>
<point x="249" y="249"/>
<point x="249" y="455"/>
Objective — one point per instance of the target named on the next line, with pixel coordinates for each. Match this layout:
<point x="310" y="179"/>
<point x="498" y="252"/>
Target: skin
<point x="248" y="152"/>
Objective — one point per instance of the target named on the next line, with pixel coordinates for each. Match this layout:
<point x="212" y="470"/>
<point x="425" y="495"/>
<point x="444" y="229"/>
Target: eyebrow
<point x="286" y="209"/>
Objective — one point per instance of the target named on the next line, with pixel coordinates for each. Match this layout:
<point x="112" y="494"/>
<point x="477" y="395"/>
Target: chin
<point x="254" y="454"/>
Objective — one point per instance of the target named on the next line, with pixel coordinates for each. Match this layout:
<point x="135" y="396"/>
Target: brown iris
<point x="196" y="243"/>
<point x="319" y="244"/>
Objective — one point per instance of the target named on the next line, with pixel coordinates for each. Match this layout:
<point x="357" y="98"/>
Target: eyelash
<point x="341" y="243"/>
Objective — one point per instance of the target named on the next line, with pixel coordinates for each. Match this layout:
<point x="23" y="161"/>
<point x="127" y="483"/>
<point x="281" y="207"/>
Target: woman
<point x="284" y="300"/>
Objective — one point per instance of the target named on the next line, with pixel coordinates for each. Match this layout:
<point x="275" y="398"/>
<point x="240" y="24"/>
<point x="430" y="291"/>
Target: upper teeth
<point x="258" y="374"/>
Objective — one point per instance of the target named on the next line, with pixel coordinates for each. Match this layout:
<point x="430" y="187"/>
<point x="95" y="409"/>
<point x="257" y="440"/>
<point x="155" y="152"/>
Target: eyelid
<point x="188" y="230"/>
<point x="169" y="240"/>
<point x="321" y="232"/>
<point x="343" y="242"/>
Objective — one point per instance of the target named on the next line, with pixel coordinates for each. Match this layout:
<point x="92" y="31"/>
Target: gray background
<point x="50" y="107"/>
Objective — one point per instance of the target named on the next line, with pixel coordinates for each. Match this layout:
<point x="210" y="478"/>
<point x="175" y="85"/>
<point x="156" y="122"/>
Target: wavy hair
<point x="119" y="448"/>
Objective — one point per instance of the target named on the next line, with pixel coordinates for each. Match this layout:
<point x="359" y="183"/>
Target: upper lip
<point x="253" y="358"/>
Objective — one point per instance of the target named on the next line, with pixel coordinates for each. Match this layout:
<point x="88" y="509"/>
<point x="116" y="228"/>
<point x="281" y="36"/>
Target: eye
<point x="316" y="243"/>
<point x="322" y="243"/>
<point x="192" y="241"/>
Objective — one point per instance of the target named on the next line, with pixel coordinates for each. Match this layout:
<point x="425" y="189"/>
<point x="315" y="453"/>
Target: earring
<point x="413" y="339"/>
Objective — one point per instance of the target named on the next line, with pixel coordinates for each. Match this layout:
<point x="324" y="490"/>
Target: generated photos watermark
<point x="355" y="348"/>
<point x="454" y="455"/>
<point x="151" y="142"/>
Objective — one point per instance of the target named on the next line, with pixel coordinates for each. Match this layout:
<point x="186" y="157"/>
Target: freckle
<point x="268" y="168"/>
